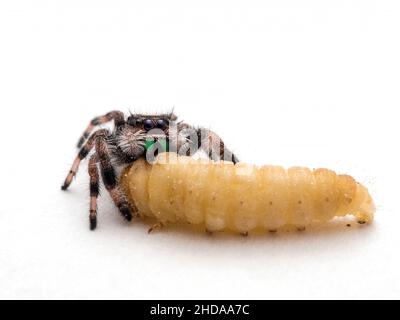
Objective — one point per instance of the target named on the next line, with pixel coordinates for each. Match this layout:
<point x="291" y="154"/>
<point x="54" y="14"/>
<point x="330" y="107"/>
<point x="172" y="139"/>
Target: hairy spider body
<point x="133" y="138"/>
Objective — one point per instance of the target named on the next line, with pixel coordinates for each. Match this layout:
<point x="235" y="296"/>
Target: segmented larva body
<point x="242" y="197"/>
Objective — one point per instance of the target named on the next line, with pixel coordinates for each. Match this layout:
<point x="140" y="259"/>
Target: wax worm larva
<point x="242" y="197"/>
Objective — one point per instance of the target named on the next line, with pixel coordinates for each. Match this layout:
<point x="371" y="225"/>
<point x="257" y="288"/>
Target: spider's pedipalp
<point x="117" y="116"/>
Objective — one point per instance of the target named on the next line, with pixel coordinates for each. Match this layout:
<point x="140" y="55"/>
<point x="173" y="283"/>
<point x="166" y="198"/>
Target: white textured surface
<point x="315" y="83"/>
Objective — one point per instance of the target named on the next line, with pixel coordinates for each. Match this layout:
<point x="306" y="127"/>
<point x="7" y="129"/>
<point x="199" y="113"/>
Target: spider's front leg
<point x="117" y="116"/>
<point x="99" y="141"/>
<point x="110" y="179"/>
<point x="83" y="152"/>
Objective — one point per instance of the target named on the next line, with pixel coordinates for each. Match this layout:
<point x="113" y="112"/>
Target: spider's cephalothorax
<point x="134" y="137"/>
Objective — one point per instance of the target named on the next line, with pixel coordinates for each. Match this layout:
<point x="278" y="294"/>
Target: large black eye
<point x="161" y="124"/>
<point x="148" y="124"/>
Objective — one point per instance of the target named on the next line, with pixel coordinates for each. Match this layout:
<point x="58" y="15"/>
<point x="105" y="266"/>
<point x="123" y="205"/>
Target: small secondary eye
<point x="131" y="121"/>
<point x="148" y="124"/>
<point x="161" y="123"/>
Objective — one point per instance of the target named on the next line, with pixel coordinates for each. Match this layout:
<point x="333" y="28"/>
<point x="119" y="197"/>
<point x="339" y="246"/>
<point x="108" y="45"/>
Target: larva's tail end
<point x="366" y="210"/>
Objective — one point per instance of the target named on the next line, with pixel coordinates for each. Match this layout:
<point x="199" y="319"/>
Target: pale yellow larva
<point x="242" y="197"/>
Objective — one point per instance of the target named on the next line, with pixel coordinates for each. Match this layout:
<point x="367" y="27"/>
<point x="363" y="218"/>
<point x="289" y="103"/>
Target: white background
<point x="316" y="83"/>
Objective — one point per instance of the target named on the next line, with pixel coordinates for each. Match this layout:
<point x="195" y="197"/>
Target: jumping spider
<point x="131" y="138"/>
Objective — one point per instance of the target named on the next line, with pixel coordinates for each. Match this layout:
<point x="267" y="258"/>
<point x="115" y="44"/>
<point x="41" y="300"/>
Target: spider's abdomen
<point x="242" y="197"/>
